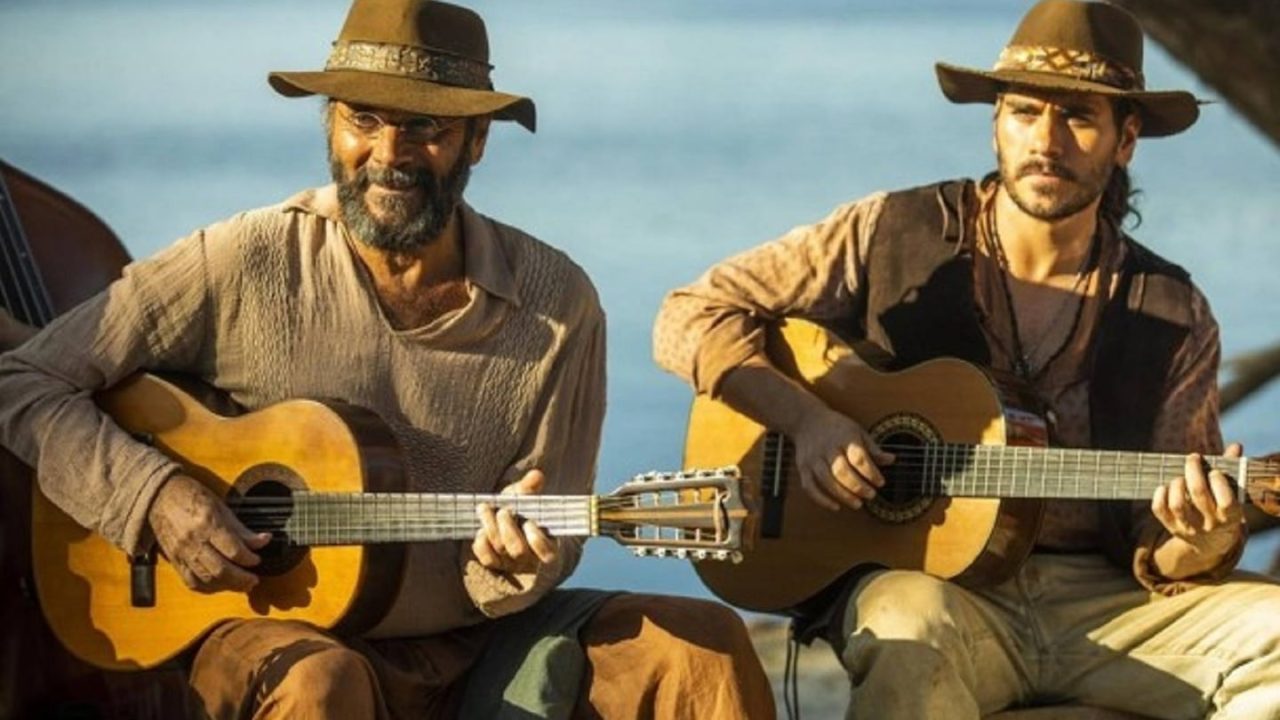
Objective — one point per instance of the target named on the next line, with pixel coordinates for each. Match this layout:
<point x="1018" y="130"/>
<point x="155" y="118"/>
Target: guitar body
<point x="801" y="548"/>
<point x="84" y="582"/>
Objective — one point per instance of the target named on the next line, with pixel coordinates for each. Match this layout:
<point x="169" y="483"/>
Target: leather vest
<point x="918" y="303"/>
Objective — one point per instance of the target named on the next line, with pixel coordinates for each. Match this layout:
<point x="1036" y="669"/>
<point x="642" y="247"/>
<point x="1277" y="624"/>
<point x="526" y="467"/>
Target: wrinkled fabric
<point x="273" y="304"/>
<point x="1065" y="627"/>
<point x="639" y="656"/>
<point x="817" y="271"/>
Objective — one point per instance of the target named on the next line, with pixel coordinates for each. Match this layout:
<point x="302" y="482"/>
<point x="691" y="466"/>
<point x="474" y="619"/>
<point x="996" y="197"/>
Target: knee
<point x="902" y="605"/>
<point x="692" y="624"/>
<point x="330" y="678"/>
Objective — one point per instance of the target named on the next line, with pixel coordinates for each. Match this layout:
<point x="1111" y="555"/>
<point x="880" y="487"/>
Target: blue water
<point x="671" y="133"/>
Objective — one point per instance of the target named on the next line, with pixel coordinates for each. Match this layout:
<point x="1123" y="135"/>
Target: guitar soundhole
<point x="265" y="507"/>
<point x="901" y="500"/>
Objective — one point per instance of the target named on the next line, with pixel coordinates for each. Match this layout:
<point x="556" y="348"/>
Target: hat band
<point x="1065" y="61"/>
<point x="410" y="61"/>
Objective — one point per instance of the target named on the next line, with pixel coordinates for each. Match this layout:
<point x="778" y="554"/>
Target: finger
<point x="536" y="537"/>
<point x="1234" y="450"/>
<point x="233" y="577"/>
<point x="226" y="575"/>
<point x="845" y="485"/>
<point x="816" y="492"/>
<point x="1224" y="496"/>
<point x="513" y="543"/>
<point x="489" y="523"/>
<point x="204" y="574"/>
<point x="1201" y="498"/>
<point x="483" y="551"/>
<point x="1160" y="508"/>
<point x="530" y="483"/>
<point x="860" y="460"/>
<point x="879" y="455"/>
<point x="189" y="578"/>
<point x="483" y="548"/>
<point x="1180" y="508"/>
<point x="235" y="547"/>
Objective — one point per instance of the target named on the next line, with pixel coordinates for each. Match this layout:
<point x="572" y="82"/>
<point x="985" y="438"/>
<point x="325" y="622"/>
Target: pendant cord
<point x="1021" y="354"/>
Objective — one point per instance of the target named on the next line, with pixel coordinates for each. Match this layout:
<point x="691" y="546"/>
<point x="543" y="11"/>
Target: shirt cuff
<point x="1147" y="575"/>
<point x="501" y="593"/>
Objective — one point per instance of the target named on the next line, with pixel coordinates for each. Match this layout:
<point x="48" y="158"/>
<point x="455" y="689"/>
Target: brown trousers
<point x="647" y="656"/>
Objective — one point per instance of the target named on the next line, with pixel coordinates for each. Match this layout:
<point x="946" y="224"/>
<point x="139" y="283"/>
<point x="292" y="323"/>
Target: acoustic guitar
<point x="326" y="480"/>
<point x="963" y="499"/>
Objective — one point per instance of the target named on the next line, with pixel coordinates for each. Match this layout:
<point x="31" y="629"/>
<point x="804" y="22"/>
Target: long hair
<point x="1119" y="195"/>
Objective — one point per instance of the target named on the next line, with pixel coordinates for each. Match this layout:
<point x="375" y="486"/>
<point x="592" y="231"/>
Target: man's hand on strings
<point x="203" y="540"/>
<point x="838" y="461"/>
<point x="508" y="543"/>
<point x="1201" y="508"/>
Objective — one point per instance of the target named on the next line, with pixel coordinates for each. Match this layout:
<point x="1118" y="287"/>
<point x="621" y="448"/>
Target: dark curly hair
<point x="1118" y="197"/>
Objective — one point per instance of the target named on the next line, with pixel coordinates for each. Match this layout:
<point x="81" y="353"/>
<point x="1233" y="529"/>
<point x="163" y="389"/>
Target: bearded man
<point x="481" y="347"/>
<point x="1025" y="273"/>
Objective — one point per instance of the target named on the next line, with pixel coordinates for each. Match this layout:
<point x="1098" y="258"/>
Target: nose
<point x="389" y="148"/>
<point x="1048" y="133"/>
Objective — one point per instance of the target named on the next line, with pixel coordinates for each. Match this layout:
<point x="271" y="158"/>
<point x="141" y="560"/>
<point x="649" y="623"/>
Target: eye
<point x="364" y="121"/>
<point x="424" y="128"/>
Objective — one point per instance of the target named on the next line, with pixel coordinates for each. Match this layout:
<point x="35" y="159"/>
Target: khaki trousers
<point x="647" y="656"/>
<point x="1065" y="628"/>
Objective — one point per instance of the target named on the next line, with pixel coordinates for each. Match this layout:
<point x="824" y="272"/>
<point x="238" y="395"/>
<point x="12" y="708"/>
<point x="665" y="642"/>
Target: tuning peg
<point x="699" y="554"/>
<point x="640" y="551"/>
<point x="682" y="554"/>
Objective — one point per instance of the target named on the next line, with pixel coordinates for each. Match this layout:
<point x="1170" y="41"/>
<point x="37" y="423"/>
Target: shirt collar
<point x="487" y="265"/>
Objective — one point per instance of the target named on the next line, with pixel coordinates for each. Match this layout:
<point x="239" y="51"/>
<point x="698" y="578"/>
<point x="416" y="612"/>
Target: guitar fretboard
<point x="1063" y="473"/>
<point x="308" y="518"/>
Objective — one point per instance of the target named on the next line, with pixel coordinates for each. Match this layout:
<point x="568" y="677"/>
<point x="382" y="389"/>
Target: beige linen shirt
<point x="273" y="304"/>
<point x="817" y="271"/>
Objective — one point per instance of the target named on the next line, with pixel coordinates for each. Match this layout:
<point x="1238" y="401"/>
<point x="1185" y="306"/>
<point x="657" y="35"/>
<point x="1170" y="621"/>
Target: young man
<point x="1025" y="272"/>
<point x="482" y="349"/>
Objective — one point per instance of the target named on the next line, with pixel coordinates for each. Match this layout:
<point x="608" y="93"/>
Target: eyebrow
<point x="1071" y="105"/>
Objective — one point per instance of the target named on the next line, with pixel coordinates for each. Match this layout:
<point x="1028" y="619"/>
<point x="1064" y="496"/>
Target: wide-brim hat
<point x="1075" y="46"/>
<point x="417" y="56"/>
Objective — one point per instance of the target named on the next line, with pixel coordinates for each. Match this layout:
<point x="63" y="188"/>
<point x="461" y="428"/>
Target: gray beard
<point x="411" y="223"/>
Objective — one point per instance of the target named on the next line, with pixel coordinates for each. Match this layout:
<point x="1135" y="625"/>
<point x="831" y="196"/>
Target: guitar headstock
<point x="693" y="514"/>
<point x="1263" y="486"/>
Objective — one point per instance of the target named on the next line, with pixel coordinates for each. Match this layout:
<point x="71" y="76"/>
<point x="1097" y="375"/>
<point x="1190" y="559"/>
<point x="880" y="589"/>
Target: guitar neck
<point x="1059" y="473"/>
<point x="310" y="518"/>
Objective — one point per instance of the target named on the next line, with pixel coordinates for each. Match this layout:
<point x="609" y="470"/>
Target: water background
<point x="671" y="133"/>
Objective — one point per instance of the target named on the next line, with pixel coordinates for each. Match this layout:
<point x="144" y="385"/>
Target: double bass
<point x="54" y="254"/>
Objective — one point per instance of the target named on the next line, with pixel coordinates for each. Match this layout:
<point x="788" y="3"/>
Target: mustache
<point x="394" y="178"/>
<point x="1045" y="167"/>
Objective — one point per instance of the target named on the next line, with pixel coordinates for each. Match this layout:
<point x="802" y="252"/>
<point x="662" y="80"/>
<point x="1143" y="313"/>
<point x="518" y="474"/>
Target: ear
<point x="479" y="137"/>
<point x="1128" y="139"/>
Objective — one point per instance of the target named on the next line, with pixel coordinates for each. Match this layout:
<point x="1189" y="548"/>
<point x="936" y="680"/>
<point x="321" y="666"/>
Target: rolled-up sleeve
<point x="95" y="472"/>
<point x="1188" y="420"/>
<point x="564" y="444"/>
<point x="714" y="325"/>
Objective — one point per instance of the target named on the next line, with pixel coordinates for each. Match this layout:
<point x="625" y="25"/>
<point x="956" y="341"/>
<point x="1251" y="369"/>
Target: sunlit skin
<point x="208" y="546"/>
<point x="1056" y="152"/>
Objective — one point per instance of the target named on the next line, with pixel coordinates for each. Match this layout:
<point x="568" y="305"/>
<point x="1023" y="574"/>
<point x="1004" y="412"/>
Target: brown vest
<point x="918" y="303"/>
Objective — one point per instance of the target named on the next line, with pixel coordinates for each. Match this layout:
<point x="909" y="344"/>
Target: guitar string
<point x="943" y="463"/>
<point x="400" y="514"/>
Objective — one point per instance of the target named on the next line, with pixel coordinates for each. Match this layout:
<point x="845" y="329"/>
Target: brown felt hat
<point x="1076" y="46"/>
<point x="417" y="56"/>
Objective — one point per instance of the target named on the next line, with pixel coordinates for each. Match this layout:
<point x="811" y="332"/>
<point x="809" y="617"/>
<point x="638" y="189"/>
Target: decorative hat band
<point x="410" y="61"/>
<point x="1064" y="61"/>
